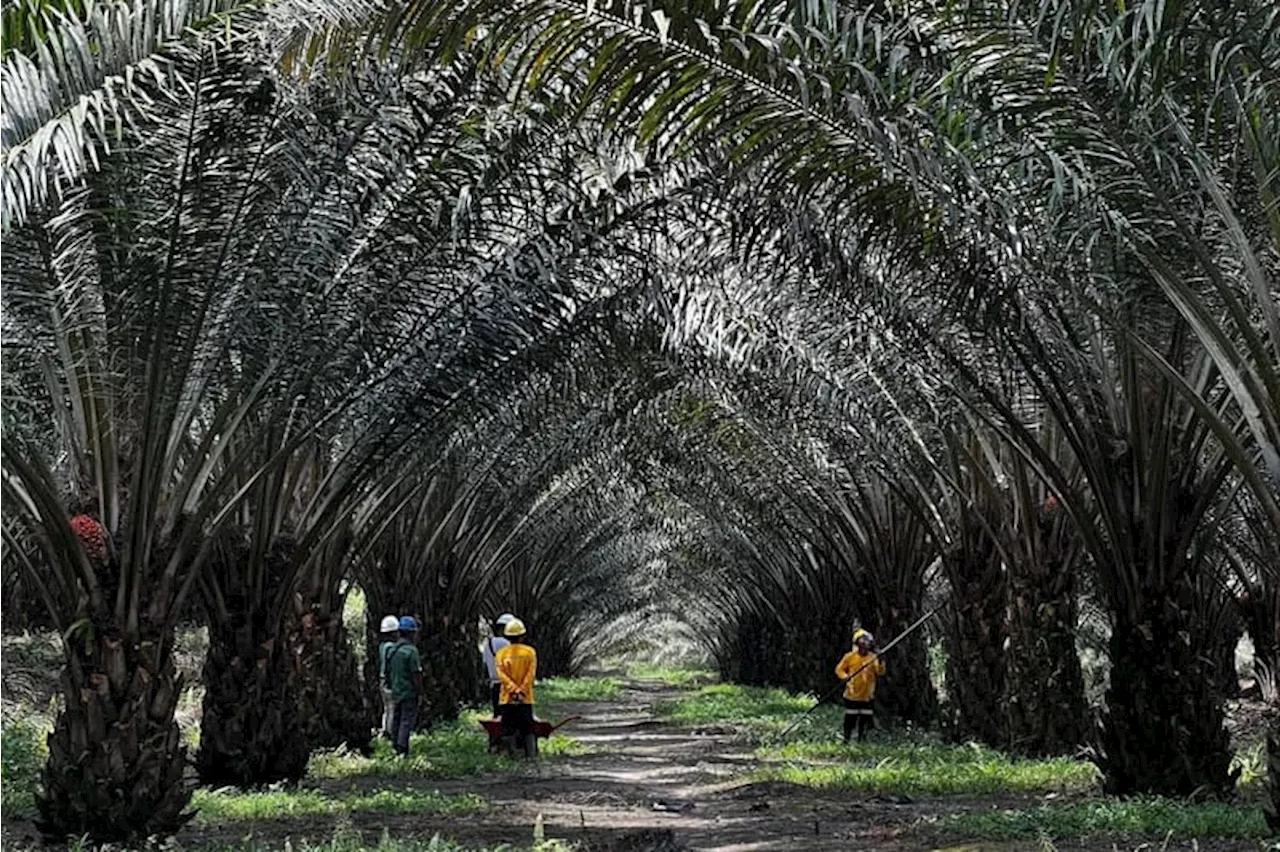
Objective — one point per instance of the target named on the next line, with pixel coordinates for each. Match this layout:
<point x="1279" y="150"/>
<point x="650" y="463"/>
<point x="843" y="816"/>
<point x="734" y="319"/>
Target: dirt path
<point x="648" y="786"/>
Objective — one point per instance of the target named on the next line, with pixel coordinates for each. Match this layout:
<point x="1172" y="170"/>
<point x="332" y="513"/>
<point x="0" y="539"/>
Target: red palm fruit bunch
<point x="92" y="535"/>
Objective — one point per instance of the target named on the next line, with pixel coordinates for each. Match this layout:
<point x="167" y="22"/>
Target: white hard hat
<point x="505" y="618"/>
<point x="390" y="624"/>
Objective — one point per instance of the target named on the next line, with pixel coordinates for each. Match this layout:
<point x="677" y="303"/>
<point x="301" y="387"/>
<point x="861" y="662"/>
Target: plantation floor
<point x="647" y="786"/>
<point x="643" y="785"/>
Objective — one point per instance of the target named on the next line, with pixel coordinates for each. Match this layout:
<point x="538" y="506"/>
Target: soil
<point x="650" y="787"/>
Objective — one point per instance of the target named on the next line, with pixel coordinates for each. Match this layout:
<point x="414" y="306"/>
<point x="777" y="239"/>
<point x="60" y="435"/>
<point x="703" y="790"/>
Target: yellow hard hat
<point x="515" y="627"/>
<point x="862" y="634"/>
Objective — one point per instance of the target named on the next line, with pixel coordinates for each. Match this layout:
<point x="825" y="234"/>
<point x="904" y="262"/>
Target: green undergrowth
<point x="756" y="712"/>
<point x="344" y="838"/>
<point x="449" y="750"/>
<point x="1094" y="819"/>
<point x="557" y="690"/>
<point x="224" y="806"/>
<point x="672" y="676"/>
<point x="922" y="768"/>
<point x="22" y="755"/>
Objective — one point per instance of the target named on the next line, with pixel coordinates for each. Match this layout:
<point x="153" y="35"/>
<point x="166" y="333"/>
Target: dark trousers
<point x="495" y="693"/>
<point x="404" y="720"/>
<point x="517" y="719"/>
<point x="858" y="715"/>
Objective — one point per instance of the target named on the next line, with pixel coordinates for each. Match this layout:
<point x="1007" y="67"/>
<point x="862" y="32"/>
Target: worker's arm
<point x="526" y="685"/>
<point x="504" y="674"/>
<point x="879" y="666"/>
<point x="841" y="671"/>
<point x="418" y="681"/>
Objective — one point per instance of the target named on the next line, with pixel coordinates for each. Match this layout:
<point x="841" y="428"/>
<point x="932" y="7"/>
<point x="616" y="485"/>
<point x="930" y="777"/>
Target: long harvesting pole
<point x="903" y="635"/>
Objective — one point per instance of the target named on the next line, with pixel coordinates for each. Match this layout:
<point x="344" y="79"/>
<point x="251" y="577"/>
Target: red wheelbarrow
<point x="508" y="745"/>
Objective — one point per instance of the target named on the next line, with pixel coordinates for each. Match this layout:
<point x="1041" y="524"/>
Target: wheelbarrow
<point x="508" y="745"/>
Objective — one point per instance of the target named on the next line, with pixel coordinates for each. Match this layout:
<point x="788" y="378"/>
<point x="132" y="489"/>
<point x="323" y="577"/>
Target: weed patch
<point x="22" y="755"/>
<point x="223" y="806"/>
<point x="754" y="711"/>
<point x="1093" y="819"/>
<point x="452" y="750"/>
<point x="671" y="675"/>
<point x="922" y="768"/>
<point x="344" y="838"/>
<point x="561" y="689"/>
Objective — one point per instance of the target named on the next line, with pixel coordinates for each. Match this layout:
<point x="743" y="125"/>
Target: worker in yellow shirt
<point x="860" y="668"/>
<point x="517" y="666"/>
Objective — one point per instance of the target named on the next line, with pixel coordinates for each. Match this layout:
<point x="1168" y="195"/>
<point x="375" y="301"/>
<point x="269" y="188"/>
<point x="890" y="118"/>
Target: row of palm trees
<point x="282" y="337"/>
<point x="840" y="310"/>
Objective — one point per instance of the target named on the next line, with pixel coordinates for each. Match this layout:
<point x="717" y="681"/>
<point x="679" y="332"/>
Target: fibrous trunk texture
<point x="116" y="758"/>
<point x="1163" y="731"/>
<point x="907" y="692"/>
<point x="249" y="731"/>
<point x="555" y="654"/>
<point x="976" y="666"/>
<point x="451" y="667"/>
<point x="1045" y="685"/>
<point x="333" y="708"/>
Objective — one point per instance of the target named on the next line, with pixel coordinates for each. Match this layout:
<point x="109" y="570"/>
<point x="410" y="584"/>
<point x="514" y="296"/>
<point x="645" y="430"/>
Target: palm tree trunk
<point x="555" y="653"/>
<point x="907" y="692"/>
<point x="976" y="665"/>
<point x="1045" y="685"/>
<point x="333" y="707"/>
<point x="450" y="667"/>
<point x="765" y="658"/>
<point x="1163" y="731"/>
<point x="116" y="758"/>
<point x="249" y="731"/>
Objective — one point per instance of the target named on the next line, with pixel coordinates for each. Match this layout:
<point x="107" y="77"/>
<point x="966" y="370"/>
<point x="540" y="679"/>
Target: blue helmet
<point x="408" y="622"/>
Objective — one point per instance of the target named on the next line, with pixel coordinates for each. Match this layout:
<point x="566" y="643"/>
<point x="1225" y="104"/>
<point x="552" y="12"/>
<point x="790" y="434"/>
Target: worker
<point x="495" y="643"/>
<point x="404" y="674"/>
<point x="388" y="632"/>
<point x="860" y="668"/>
<point x="517" y="668"/>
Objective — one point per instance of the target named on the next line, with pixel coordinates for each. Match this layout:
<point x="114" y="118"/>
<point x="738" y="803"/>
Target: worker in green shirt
<point x="404" y="676"/>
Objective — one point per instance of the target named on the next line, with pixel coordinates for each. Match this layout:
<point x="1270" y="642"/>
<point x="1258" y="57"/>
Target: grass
<point x="755" y="712"/>
<point x="344" y="838"/>
<point x="561" y="689"/>
<point x="921" y="766"/>
<point x="22" y="756"/>
<point x="934" y="776"/>
<point x="682" y="678"/>
<point x="224" y="806"/>
<point x="1096" y="818"/>
<point x="813" y="758"/>
<point x="450" y="750"/>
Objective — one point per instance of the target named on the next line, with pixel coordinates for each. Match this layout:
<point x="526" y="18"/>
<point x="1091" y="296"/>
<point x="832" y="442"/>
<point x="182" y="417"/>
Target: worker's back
<point x="517" y="668"/>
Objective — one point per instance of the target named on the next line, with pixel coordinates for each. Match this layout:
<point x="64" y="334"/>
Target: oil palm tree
<point x="141" y="365"/>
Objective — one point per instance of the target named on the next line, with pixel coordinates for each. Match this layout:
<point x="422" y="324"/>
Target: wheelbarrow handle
<point x="558" y="725"/>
